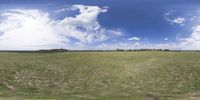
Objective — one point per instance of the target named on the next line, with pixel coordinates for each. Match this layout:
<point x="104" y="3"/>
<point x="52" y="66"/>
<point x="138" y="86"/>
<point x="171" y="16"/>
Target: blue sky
<point x="99" y="24"/>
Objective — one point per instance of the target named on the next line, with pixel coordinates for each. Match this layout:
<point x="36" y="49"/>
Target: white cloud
<point x="134" y="39"/>
<point x="67" y="8"/>
<point x="34" y="29"/>
<point x="138" y="45"/>
<point x="178" y="20"/>
<point x="193" y="41"/>
<point x="165" y="39"/>
<point x="119" y="45"/>
<point x="27" y="29"/>
<point x="189" y="43"/>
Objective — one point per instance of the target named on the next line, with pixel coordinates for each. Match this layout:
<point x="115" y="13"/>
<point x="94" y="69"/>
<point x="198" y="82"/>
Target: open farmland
<point x="147" y="75"/>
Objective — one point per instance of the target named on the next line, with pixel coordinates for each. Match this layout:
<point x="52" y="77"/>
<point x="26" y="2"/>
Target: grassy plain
<point x="146" y="75"/>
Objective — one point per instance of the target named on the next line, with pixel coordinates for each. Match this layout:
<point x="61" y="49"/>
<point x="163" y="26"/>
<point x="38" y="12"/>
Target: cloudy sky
<point x="99" y="24"/>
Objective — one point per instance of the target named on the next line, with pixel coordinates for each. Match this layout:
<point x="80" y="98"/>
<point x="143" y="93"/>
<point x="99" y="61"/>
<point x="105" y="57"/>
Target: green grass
<point x="100" y="76"/>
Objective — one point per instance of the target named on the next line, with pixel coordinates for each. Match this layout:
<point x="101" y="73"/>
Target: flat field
<point x="144" y="75"/>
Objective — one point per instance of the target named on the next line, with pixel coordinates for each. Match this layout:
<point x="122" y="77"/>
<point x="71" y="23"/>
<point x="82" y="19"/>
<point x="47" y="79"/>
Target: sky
<point x="99" y="24"/>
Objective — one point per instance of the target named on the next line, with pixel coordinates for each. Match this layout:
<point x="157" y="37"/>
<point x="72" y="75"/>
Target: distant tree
<point x="129" y="50"/>
<point x="53" y="50"/>
<point x="166" y="50"/>
<point x="120" y="49"/>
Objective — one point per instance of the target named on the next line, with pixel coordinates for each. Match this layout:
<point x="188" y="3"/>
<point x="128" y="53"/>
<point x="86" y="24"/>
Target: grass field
<point x="147" y="75"/>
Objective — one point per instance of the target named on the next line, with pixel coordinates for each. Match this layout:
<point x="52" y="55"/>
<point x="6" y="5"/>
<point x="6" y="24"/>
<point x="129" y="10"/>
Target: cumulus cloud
<point x="31" y="29"/>
<point x="134" y="39"/>
<point x="27" y="29"/>
<point x="193" y="41"/>
<point x="34" y="29"/>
